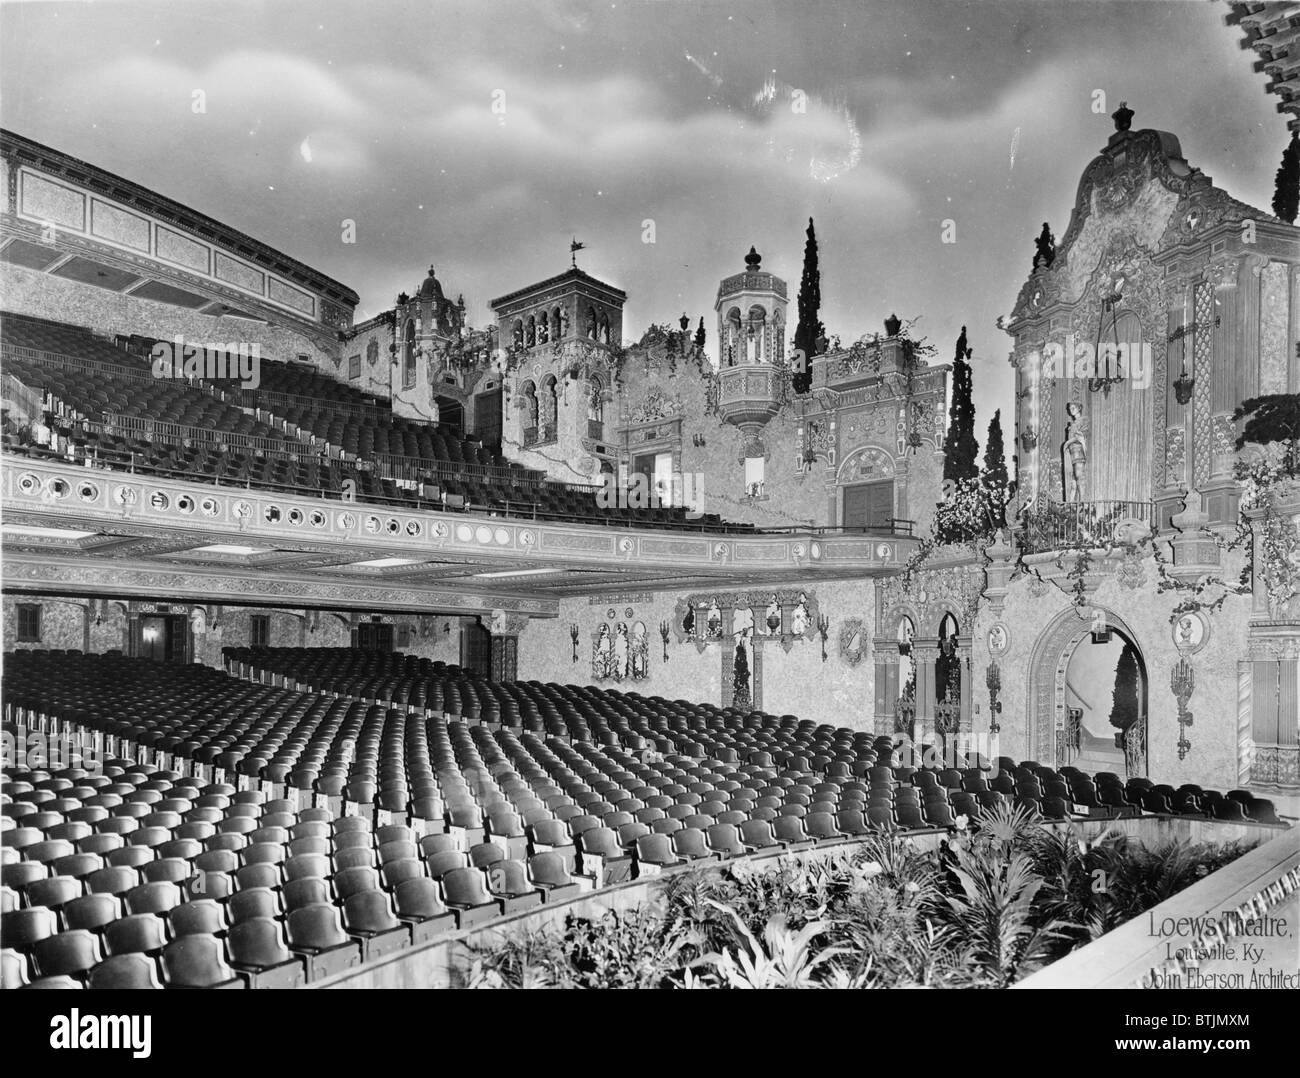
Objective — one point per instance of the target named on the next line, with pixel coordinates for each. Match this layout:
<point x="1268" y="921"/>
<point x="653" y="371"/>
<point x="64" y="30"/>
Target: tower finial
<point x="1123" y="117"/>
<point x="753" y="260"/>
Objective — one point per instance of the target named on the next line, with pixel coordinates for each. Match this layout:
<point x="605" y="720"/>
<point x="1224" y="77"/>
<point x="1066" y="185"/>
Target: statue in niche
<point x="602" y="660"/>
<point x="620" y="651"/>
<point x="1074" y="454"/>
<point x="639" y="653"/>
<point x="772" y="618"/>
<point x="688" y="622"/>
<point x="714" y="621"/>
<point x="800" y="620"/>
<point x="1045" y="248"/>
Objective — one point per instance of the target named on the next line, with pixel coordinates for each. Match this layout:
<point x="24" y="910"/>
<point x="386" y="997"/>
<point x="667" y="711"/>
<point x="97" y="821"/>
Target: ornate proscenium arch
<point x="1055" y="646"/>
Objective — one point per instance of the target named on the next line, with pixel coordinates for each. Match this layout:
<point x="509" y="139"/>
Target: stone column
<point x="964" y="722"/>
<point x="925" y="654"/>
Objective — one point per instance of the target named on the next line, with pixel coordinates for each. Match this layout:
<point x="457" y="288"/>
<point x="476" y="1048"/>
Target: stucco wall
<point x="797" y="683"/>
<point x="1030" y="609"/>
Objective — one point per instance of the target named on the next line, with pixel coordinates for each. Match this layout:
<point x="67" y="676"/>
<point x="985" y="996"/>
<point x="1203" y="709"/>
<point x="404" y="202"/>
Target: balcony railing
<point x="1060" y="525"/>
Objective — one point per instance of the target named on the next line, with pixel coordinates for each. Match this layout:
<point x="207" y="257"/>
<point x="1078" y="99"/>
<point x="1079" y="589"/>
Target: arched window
<point x="530" y="335"/>
<point x="947" y="667"/>
<point x="559" y="326"/>
<point x="596" y="402"/>
<point x="543" y="329"/>
<point x="754" y="334"/>
<point x="906" y="664"/>
<point x="731" y="346"/>
<point x="408" y="355"/>
<point x="591" y="323"/>
<point x="517" y="333"/>
<point x="604" y="328"/>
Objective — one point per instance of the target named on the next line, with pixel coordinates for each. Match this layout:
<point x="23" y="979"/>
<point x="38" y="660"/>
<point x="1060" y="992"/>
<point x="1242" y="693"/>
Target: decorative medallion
<point x="853" y="641"/>
<point x="1191" y="632"/>
<point x="999" y="640"/>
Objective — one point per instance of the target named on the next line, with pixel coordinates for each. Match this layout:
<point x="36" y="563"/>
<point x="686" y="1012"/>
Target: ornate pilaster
<point x="926" y="655"/>
<point x="1203" y="337"/>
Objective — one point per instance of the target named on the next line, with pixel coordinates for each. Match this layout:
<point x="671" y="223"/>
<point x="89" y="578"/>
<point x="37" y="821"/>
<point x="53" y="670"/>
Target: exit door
<point x="374" y="636"/>
<point x="475" y="649"/>
<point x="164" y="638"/>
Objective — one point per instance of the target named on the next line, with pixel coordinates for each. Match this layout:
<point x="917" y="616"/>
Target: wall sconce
<point x="664" y="630"/>
<point x="698" y="441"/>
<point x="573" y="635"/>
<point x="1183" y="682"/>
<point x="446" y="628"/>
<point x="993" y="679"/>
<point x="823" y="627"/>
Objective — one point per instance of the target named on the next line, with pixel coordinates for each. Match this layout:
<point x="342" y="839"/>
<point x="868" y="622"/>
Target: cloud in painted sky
<point x="619" y="112"/>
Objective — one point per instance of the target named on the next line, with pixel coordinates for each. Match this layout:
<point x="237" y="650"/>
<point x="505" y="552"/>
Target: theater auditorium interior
<point x="345" y="652"/>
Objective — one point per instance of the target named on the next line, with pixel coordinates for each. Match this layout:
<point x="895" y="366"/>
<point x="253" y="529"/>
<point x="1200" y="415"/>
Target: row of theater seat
<point x="511" y="820"/>
<point x="370" y="744"/>
<point x="121" y="383"/>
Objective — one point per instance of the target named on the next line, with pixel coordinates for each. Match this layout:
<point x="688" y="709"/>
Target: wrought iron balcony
<point x="1062" y="525"/>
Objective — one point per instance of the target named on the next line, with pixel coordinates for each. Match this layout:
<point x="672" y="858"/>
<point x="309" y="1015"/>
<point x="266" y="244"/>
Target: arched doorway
<point x="451" y="415"/>
<point x="1073" y="675"/>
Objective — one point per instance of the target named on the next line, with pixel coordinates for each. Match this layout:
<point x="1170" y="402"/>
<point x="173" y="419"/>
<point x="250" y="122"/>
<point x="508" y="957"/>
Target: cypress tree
<point x="1286" y="184"/>
<point x="809" y="328"/>
<point x="960" y="449"/>
<point x="699" y="335"/>
<point x="1124" y="700"/>
<point x="740" y="681"/>
<point x="994" y="480"/>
